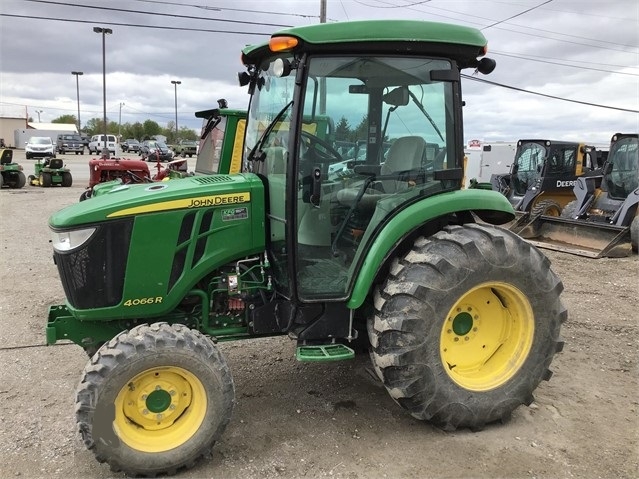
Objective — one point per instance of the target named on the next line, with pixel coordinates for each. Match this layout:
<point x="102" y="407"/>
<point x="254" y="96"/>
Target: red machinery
<point x="127" y="171"/>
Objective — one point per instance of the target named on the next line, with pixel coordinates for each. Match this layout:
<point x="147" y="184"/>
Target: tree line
<point x="140" y="131"/>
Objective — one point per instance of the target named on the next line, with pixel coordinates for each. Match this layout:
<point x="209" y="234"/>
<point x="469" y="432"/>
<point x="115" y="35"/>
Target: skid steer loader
<point x="543" y="175"/>
<point x="462" y="320"/>
<point x="603" y="219"/>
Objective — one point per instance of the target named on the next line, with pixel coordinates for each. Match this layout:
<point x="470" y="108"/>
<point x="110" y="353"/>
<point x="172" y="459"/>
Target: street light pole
<point x="77" y="88"/>
<point x="104" y="32"/>
<point x="38" y="112"/>
<point x="120" y="119"/>
<point x="176" y="83"/>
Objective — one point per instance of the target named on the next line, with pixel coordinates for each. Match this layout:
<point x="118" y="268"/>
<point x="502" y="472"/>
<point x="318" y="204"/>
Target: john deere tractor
<point x="461" y="318"/>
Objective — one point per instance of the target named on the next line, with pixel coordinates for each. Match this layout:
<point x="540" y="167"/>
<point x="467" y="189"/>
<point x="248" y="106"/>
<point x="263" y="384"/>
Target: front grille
<point x="93" y="275"/>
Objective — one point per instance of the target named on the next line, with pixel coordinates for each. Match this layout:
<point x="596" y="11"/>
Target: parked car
<point x="153" y="150"/>
<point x="70" y="143"/>
<point x="39" y="147"/>
<point x="185" y="148"/>
<point x="130" y="144"/>
<point x="86" y="139"/>
<point x="96" y="145"/>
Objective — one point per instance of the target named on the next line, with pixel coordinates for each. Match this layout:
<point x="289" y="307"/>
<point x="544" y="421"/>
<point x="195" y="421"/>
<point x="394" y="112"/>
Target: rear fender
<point x="490" y="206"/>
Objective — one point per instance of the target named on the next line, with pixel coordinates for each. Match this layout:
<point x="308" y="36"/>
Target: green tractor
<point x="11" y="174"/>
<point x="50" y="172"/>
<point x="461" y="318"/>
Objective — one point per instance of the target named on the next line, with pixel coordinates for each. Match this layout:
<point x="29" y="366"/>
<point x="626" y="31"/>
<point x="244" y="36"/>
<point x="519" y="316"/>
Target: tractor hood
<point x="153" y="198"/>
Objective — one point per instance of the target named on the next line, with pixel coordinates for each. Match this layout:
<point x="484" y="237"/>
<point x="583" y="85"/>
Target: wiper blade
<point x="423" y="110"/>
<point x="267" y="131"/>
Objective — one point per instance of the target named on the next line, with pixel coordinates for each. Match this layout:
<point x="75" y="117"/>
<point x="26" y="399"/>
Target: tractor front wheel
<point x="634" y="234"/>
<point x="154" y="400"/>
<point x="466" y="326"/>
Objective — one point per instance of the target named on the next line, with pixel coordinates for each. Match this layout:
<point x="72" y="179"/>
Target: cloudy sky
<point x="582" y="50"/>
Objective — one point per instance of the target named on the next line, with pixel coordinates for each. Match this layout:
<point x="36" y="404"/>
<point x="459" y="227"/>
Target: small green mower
<point x="50" y="172"/>
<point x="11" y="174"/>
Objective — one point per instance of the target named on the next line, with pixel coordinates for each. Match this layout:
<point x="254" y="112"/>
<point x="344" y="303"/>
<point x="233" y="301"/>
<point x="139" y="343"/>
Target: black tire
<point x="85" y="196"/>
<point x="31" y="179"/>
<point x="634" y="234"/>
<point x="570" y="210"/>
<point x="121" y="379"/>
<point x="45" y="179"/>
<point x="546" y="208"/>
<point x="67" y="179"/>
<point x="21" y="180"/>
<point x="418" y="351"/>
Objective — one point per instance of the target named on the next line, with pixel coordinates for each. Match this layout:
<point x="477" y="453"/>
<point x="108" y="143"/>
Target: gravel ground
<point x="296" y="420"/>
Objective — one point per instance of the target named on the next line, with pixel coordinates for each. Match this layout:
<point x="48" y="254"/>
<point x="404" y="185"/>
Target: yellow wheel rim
<point x="487" y="336"/>
<point x="160" y="409"/>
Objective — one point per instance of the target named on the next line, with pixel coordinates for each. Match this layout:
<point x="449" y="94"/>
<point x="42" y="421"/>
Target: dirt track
<point x="330" y="420"/>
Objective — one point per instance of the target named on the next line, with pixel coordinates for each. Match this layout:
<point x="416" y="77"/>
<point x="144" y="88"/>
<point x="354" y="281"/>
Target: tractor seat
<point x="7" y="157"/>
<point x="56" y="163"/>
<point x="403" y="162"/>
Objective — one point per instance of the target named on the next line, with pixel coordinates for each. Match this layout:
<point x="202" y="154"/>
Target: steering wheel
<point x="327" y="155"/>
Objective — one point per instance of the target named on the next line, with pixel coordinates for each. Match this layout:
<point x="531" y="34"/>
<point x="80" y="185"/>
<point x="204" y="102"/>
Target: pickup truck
<point x="185" y="148"/>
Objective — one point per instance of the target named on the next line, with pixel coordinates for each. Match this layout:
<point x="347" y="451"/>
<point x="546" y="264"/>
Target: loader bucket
<point x="583" y="238"/>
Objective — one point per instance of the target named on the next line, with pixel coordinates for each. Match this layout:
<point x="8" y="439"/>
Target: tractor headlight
<point x="64" y="241"/>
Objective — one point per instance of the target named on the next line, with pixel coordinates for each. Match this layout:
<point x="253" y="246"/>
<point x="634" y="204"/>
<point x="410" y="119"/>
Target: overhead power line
<point x="171" y="15"/>
<point x="206" y="7"/>
<point x="136" y="25"/>
<point x="523" y="90"/>
<point x="517" y="15"/>
<point x="564" y="64"/>
<point x="536" y="35"/>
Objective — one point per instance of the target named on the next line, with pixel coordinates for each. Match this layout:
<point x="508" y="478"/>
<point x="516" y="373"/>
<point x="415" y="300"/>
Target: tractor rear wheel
<point x="154" y="400"/>
<point x="45" y="179"/>
<point x="546" y="208"/>
<point x="67" y="179"/>
<point x="466" y="326"/>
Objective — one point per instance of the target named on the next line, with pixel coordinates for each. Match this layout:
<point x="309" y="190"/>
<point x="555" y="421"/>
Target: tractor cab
<point x="621" y="176"/>
<point x="326" y="205"/>
<point x="221" y="140"/>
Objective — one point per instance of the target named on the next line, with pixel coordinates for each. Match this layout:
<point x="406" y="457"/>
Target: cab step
<point x="324" y="352"/>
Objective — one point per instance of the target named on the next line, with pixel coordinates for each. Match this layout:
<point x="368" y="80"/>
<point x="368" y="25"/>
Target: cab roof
<point x="379" y="36"/>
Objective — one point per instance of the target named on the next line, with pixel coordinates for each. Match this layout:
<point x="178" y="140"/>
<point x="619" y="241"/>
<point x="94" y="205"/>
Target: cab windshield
<point x="624" y="160"/>
<point x="528" y="164"/>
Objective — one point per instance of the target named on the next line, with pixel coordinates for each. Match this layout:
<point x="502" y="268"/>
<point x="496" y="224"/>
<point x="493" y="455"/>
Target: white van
<point x="96" y="145"/>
